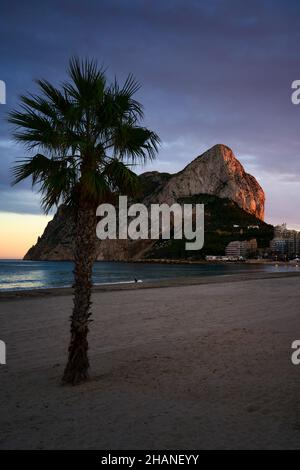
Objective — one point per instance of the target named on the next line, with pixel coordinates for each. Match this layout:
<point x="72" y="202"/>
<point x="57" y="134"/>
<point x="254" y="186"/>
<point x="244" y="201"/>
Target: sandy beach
<point x="200" y="366"/>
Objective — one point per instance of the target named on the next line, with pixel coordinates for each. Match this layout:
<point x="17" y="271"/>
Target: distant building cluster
<point x="286" y="243"/>
<point x="236" y="251"/>
<point x="223" y="258"/>
<point x="241" y="248"/>
<point x="285" y="246"/>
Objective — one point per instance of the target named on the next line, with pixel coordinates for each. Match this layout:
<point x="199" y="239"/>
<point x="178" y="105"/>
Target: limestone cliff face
<point x="57" y="241"/>
<point x="216" y="172"/>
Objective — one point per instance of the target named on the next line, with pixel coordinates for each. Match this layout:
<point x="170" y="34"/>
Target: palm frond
<point x="56" y="97"/>
<point x="135" y="143"/>
<point x="131" y="86"/>
<point x="85" y="133"/>
<point x="122" y="179"/>
<point x="87" y="84"/>
<point x="55" y="178"/>
<point x="95" y="186"/>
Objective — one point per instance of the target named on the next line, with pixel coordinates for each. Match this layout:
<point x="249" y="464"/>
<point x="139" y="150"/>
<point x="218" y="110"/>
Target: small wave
<point x="117" y="282"/>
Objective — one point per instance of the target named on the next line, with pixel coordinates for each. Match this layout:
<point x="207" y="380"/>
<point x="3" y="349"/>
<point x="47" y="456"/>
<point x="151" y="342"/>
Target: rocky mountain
<point x="215" y="173"/>
<point x="219" y="173"/>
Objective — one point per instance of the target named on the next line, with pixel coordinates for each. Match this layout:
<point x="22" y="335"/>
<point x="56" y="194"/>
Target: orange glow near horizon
<point x="18" y="232"/>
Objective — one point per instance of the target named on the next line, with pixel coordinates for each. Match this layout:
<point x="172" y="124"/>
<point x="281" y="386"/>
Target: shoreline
<point x="164" y="283"/>
<point x="163" y="261"/>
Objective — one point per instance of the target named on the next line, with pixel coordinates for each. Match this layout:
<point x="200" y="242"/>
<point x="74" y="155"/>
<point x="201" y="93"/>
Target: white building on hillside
<point x="241" y="248"/>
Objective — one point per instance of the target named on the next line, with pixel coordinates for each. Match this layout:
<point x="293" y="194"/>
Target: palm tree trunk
<point x="77" y="367"/>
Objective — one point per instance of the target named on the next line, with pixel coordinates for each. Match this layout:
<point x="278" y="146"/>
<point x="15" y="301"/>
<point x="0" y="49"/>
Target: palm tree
<point x="82" y="139"/>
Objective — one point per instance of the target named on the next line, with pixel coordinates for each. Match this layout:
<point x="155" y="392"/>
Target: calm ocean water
<point x="22" y="275"/>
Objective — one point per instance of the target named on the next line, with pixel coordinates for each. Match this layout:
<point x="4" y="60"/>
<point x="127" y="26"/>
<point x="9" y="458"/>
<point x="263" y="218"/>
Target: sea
<point x="16" y="275"/>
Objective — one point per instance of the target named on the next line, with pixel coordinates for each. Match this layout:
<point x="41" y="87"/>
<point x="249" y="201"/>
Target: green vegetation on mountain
<point x="225" y="221"/>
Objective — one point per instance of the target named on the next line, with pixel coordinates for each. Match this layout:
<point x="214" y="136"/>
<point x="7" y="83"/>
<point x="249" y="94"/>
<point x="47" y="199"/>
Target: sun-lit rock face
<point x="216" y="172"/>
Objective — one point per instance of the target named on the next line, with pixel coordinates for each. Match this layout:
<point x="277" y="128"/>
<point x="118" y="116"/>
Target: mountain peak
<point x="219" y="151"/>
<point x="220" y="148"/>
<point x="217" y="172"/>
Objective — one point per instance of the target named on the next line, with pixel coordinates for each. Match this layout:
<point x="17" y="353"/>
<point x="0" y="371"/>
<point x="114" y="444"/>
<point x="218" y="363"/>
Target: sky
<point x="217" y="71"/>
